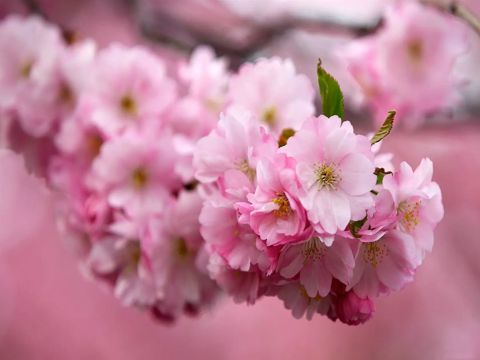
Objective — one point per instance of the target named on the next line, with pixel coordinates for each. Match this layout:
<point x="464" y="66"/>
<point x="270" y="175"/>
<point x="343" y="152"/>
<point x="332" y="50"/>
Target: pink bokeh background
<point x="49" y="311"/>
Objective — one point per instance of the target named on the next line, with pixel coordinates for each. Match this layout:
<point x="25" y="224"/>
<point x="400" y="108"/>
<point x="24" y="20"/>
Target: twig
<point x="460" y="11"/>
<point x="34" y="8"/>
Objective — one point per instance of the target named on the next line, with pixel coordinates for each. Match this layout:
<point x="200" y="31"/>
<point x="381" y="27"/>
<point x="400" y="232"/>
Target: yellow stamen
<point x="409" y="214"/>
<point x="94" y="144"/>
<point x="26" y="69"/>
<point x="313" y="249"/>
<point x="181" y="249"/>
<point x="128" y="105"/>
<point x="327" y="176"/>
<point x="374" y="252"/>
<point x="284" y="208"/>
<point x="244" y="167"/>
<point x="415" y="50"/>
<point x="139" y="178"/>
<point x="270" y="116"/>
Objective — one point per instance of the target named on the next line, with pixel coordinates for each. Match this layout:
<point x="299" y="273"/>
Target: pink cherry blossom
<point x="243" y="286"/>
<point x="272" y="91"/>
<point x="274" y="211"/>
<point x="136" y="172"/>
<point x="384" y="265"/>
<point x="123" y="261"/>
<point x="379" y="219"/>
<point x="335" y="169"/>
<point x="296" y="299"/>
<point x="408" y="64"/>
<point x="176" y="243"/>
<point x="27" y="68"/>
<point x="234" y="242"/>
<point x="79" y="137"/>
<point x="418" y="202"/>
<point x="131" y="89"/>
<point x="316" y="264"/>
<point x="231" y="151"/>
<point x="205" y="78"/>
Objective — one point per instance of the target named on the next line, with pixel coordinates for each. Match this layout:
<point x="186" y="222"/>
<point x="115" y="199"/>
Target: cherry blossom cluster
<point x="409" y="63"/>
<point x="314" y="220"/>
<point x="122" y="133"/>
<point x="177" y="182"/>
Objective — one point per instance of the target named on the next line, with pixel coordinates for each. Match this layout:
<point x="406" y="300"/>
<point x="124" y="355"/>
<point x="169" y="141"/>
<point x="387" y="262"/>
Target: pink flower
<point x="274" y="211"/>
<point x="418" y="202"/>
<point x="234" y="242"/>
<point x="136" y="172"/>
<point x="335" y="169"/>
<point x="272" y="91"/>
<point x="380" y="218"/>
<point x="353" y="310"/>
<point x="231" y="151"/>
<point x="296" y="299"/>
<point x="384" y="265"/>
<point x="316" y="264"/>
<point x="243" y="286"/>
<point x="206" y="80"/>
<point x="176" y="242"/>
<point x="27" y="68"/>
<point x="399" y="66"/>
<point x="79" y="138"/>
<point x="131" y="89"/>
<point x="123" y="261"/>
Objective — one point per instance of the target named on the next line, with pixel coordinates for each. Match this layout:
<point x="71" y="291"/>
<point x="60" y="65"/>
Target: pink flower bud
<point x="353" y="310"/>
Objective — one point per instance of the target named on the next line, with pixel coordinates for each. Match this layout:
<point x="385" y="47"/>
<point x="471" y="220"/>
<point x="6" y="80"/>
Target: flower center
<point x="270" y="116"/>
<point x="374" y="252"/>
<point x="327" y="176"/>
<point x="128" y="105"/>
<point x="284" y="208"/>
<point x="409" y="214"/>
<point x="65" y="94"/>
<point x="245" y="168"/>
<point x="181" y="248"/>
<point x="139" y="178"/>
<point x="26" y="69"/>
<point x="415" y="50"/>
<point x="94" y="144"/>
<point x="313" y="249"/>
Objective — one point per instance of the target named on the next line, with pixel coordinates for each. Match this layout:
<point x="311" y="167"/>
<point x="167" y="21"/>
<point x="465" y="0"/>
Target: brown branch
<point x="458" y="10"/>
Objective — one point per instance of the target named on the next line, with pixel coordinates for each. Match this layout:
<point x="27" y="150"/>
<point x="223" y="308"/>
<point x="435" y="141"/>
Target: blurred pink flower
<point x="408" y="64"/>
<point x="27" y="68"/>
<point x="136" y="172"/>
<point x="272" y="91"/>
<point x="174" y="237"/>
<point x="131" y="89"/>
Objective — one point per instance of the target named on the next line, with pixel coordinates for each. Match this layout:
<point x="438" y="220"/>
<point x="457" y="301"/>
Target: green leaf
<point x="385" y="128"/>
<point x="332" y="97"/>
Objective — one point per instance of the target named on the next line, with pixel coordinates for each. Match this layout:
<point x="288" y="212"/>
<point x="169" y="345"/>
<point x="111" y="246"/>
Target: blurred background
<point x="49" y="311"/>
